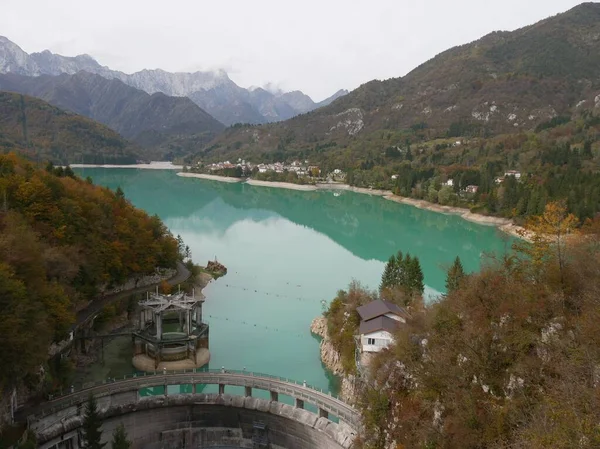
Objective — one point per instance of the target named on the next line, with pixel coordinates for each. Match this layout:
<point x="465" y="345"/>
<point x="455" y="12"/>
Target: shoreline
<point x="209" y="177"/>
<point x="503" y="224"/>
<point x="154" y="165"/>
<point x="282" y="185"/>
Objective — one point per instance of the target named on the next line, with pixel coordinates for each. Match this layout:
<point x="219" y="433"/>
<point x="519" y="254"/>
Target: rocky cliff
<point x="331" y="358"/>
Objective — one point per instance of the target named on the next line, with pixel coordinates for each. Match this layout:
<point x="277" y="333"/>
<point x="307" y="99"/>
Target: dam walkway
<point x="195" y="380"/>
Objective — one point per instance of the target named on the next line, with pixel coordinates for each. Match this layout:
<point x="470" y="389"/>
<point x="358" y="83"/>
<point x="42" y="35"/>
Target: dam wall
<point x="197" y="421"/>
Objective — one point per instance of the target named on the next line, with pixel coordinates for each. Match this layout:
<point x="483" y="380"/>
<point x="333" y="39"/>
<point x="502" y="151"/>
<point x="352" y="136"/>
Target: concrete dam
<point x="197" y="419"/>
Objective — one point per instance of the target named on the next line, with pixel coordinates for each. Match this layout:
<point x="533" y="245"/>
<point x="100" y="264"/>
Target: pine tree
<point x="119" y="193"/>
<point x="398" y="269"/>
<point x="180" y="246"/>
<point x="389" y="274"/>
<point x="415" y="276"/>
<point x="120" y="440"/>
<point x="454" y="275"/>
<point x="91" y="426"/>
<point x="405" y="272"/>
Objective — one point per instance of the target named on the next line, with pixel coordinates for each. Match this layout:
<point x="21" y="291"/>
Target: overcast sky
<point x="317" y="46"/>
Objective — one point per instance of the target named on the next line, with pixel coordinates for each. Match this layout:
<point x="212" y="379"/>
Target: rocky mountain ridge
<point x="213" y="91"/>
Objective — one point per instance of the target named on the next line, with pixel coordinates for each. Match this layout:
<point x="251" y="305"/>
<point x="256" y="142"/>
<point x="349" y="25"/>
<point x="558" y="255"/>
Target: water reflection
<point x="286" y="252"/>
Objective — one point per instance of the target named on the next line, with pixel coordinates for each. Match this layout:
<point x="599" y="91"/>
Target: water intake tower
<point x="171" y="334"/>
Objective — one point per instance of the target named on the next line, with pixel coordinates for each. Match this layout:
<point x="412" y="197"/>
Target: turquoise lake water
<point x="286" y="252"/>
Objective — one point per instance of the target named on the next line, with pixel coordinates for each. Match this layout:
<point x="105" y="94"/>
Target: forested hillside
<point x="507" y="359"/>
<point x="61" y="238"/>
<point x="527" y="100"/>
<point x="164" y="126"/>
<point x="505" y="82"/>
<point x="43" y="132"/>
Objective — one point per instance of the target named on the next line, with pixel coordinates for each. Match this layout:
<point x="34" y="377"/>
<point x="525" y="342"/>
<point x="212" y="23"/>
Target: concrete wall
<point x="207" y="420"/>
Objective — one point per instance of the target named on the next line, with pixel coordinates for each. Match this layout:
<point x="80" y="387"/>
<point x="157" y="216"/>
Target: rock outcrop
<point x="216" y="269"/>
<point x="332" y="360"/>
<point x="329" y="356"/>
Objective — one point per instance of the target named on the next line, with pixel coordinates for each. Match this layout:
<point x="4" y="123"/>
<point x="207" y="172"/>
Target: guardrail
<point x="240" y="378"/>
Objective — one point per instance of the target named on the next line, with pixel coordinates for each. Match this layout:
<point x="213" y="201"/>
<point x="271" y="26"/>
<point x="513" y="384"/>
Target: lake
<point x="287" y="252"/>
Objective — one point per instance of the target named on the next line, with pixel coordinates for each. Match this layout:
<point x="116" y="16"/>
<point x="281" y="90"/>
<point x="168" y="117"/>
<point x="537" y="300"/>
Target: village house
<point x="277" y="167"/>
<point x="394" y="177"/>
<point x="514" y="173"/>
<point x="379" y="321"/>
<point x="314" y="170"/>
<point x="449" y="183"/>
<point x="471" y="189"/>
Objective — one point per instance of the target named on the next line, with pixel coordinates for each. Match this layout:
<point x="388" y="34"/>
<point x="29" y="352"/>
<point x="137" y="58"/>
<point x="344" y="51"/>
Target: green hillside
<point x="506" y="82"/>
<point x="43" y="132"/>
<point x="527" y="100"/>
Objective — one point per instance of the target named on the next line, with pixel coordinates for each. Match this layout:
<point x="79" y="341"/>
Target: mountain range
<point x="503" y="83"/>
<point x="165" y="126"/>
<point x="213" y="91"/>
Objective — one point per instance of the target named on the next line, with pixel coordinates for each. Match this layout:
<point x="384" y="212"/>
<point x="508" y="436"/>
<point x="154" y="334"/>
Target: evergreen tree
<point x="120" y="440"/>
<point x="415" y="276"/>
<point x="91" y="425"/>
<point x="69" y="172"/>
<point x="180" y="246"/>
<point x="119" y="192"/>
<point x="398" y="266"/>
<point x="388" y="278"/>
<point x="454" y="275"/>
<point x="405" y="279"/>
<point x="405" y="272"/>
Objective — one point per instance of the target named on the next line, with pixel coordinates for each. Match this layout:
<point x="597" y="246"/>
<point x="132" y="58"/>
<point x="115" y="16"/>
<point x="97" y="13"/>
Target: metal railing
<point x="240" y="378"/>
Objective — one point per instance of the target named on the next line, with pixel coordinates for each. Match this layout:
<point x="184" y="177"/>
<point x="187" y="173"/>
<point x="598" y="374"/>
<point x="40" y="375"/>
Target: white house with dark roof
<point x="379" y="321"/>
<point x="514" y="173"/>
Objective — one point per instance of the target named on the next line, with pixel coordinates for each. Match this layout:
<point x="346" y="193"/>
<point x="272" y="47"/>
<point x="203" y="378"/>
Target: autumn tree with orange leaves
<point x="509" y="359"/>
<point x="62" y="240"/>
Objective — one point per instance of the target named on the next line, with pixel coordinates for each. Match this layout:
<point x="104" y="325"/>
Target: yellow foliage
<point x="165" y="288"/>
<point x="547" y="233"/>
